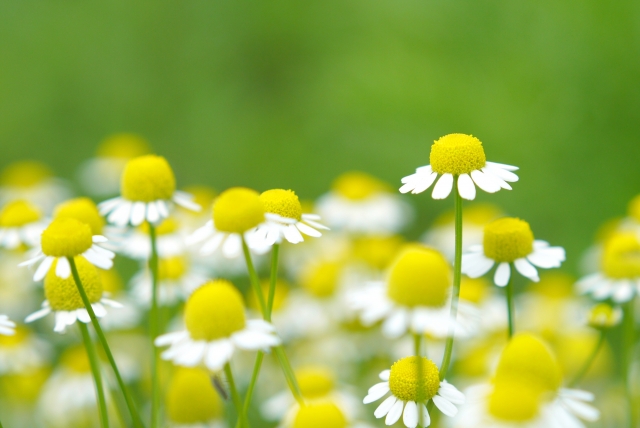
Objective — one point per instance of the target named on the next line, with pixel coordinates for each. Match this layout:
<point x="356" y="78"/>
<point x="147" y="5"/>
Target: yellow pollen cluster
<point x="213" y="311"/>
<point x="321" y="279"/>
<point x="18" y="213"/>
<point x="238" y="210"/>
<point x="405" y="384"/>
<point x="604" y="315"/>
<point x="377" y="251"/>
<point x="285" y="203"/>
<point x="75" y="359"/>
<point x="621" y="256"/>
<point x="66" y="237"/>
<point x="191" y="398"/>
<point x="148" y="178"/>
<point x="457" y="154"/>
<point x="507" y="239"/>
<point x="279" y="297"/>
<point x="514" y="401"/>
<point x="25" y="174"/>
<point x="84" y="210"/>
<point x="320" y="415"/>
<point x="474" y="289"/>
<point x="357" y="186"/>
<point x="63" y="295"/>
<point x="420" y="276"/>
<point x="634" y="208"/>
<point x="123" y="146"/>
<point x="315" y="382"/>
<point x="172" y="268"/>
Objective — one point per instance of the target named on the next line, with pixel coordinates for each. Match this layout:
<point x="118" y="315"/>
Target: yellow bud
<point x="148" y="178"/>
<point x="66" y="237"/>
<point x="238" y="210"/>
<point x="457" y="154"/>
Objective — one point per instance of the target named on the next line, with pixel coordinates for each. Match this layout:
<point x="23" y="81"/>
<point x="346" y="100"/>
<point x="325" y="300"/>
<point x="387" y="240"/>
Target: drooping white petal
<point x="526" y="269"/>
<point x="394" y="413"/>
<point x="292" y="234"/>
<point x="423" y="182"/>
<point x="192" y="355"/>
<point x="384" y="375"/>
<point x="163" y="208"/>
<point x="396" y="325"/>
<point x="578" y="394"/>
<point x="501" y="172"/>
<point x="44" y="267"/>
<point x="37" y="315"/>
<point x="503" y="166"/>
<point x="218" y="354"/>
<point x="108" y="205"/>
<point x="443" y="187"/>
<point x="137" y="213"/>
<point x="426" y="418"/>
<point x="474" y="265"/>
<point x="169" y="338"/>
<point x="451" y="393"/>
<point x="98" y="260"/>
<point x="582" y="410"/>
<point x="99" y="310"/>
<point x="544" y="259"/>
<point x="410" y="415"/>
<point x="503" y="273"/>
<point x="384" y="407"/>
<point x="466" y="187"/>
<point x="186" y="200"/>
<point x="261" y="326"/>
<point x="153" y="216"/>
<point x="254" y="340"/>
<point x="63" y="269"/>
<point x="376" y="392"/>
<point x="623" y="291"/>
<point x="232" y="245"/>
<point x="99" y="239"/>
<point x="445" y="406"/>
<point x="308" y="230"/>
<point x="212" y="244"/>
<point x="120" y="215"/>
<point x="484" y="181"/>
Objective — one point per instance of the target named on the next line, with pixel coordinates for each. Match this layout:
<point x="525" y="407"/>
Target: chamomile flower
<point x="191" y="400"/>
<point x="510" y="241"/>
<point x="170" y="241"/>
<point x="148" y="191"/>
<point x="413" y="382"/>
<point x="236" y="214"/>
<point x="285" y="220"/>
<point x="415" y="297"/>
<point x="21" y="223"/>
<point x="215" y="322"/>
<point x="619" y="275"/>
<point x="603" y="316"/>
<point x="7" y="327"/>
<point x="359" y="203"/>
<point x="68" y="237"/>
<point x="83" y="210"/>
<point x="34" y="182"/>
<point x="461" y="156"/>
<point x="526" y="392"/>
<point x="63" y="298"/>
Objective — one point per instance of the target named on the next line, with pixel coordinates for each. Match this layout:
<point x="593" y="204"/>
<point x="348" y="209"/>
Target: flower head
<point x="604" y="315"/>
<point x="20" y="224"/>
<point x="191" y="398"/>
<point x="84" y="210"/>
<point x="238" y="210"/>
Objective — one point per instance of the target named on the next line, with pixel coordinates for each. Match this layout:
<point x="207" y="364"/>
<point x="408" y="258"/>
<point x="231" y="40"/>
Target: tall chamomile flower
<point x="216" y="326"/>
<point x="68" y="237"/>
<point x="148" y="192"/>
<point x="21" y="223"/>
<point x="462" y="157"/>
<point x="413" y="382"/>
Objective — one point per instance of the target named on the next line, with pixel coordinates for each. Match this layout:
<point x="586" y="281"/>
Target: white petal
<point x="503" y="166"/>
<point x="394" y="414"/>
<point x="503" y="273"/>
<point x="98" y="260"/>
<point x="137" y="213"/>
<point x="426" y="418"/>
<point x="83" y="316"/>
<point x="153" y="216"/>
<point x="466" y="187"/>
<point x="384" y="375"/>
<point x="491" y="174"/>
<point x="218" y="353"/>
<point x="37" y="315"/>
<point x="484" y="181"/>
<point x="63" y="269"/>
<point x="232" y="246"/>
<point x="254" y="340"/>
<point x="99" y="310"/>
<point x="163" y="209"/>
<point x="578" y="394"/>
<point x="98" y="239"/>
<point x="526" y="269"/>
<point x="443" y="187"/>
<point x="212" y="244"/>
<point x="423" y="182"/>
<point x="120" y="215"/>
<point x="170" y="338"/>
<point x="384" y="407"/>
<point x="44" y="267"/>
<point x="582" y="410"/>
<point x="396" y="325"/>
<point x="503" y="173"/>
<point x="192" y="355"/>
<point x="545" y="259"/>
<point x="410" y="416"/>
<point x="451" y="393"/>
<point x="445" y="406"/>
<point x="474" y="265"/>
<point x="106" y="206"/>
<point x="260" y="326"/>
<point x="623" y="292"/>
<point x="308" y="230"/>
<point x="376" y="392"/>
<point x="186" y="200"/>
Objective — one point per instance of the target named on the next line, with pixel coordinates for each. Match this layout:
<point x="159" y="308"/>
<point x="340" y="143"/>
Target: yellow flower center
<point x="321" y="279"/>
<point x="191" y="398"/>
<point x="527" y="360"/>
<point x="213" y="311"/>
<point x="238" y="210"/>
<point x="66" y="237"/>
<point x="75" y="359"/>
<point x="148" y="178"/>
<point x="279" y="297"/>
<point x="603" y="315"/>
<point x="507" y="239"/>
<point x="124" y="146"/>
<point x="514" y="402"/>
<point x="63" y="295"/>
<point x="84" y="210"/>
<point x="377" y="251"/>
<point x="315" y="382"/>
<point x="407" y="386"/>
<point x="474" y="289"/>
<point x="285" y="203"/>
<point x="634" y="208"/>
<point x="420" y="277"/>
<point x="457" y="154"/>
<point x="25" y="386"/>
<point x="172" y="268"/>
<point x="621" y="256"/>
<point x="320" y="415"/>
<point x="18" y="213"/>
<point x="21" y="334"/>
<point x="357" y="186"/>
<point x="111" y="281"/>
<point x="25" y="174"/>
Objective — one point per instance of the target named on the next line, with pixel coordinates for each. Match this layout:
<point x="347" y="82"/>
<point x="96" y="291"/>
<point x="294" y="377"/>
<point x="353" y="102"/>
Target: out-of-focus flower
<point x="22" y="351"/>
<point x="510" y="240"/>
<point x="191" y="400"/>
<point x="20" y="224"/>
<point x="170" y="241"/>
<point x="7" y="327"/>
<point x="34" y="182"/>
<point x="462" y="156"/>
<point x="83" y="210"/>
<point x="604" y="315"/>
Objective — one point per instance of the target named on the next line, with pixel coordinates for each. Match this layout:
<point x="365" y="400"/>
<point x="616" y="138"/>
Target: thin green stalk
<point x="154" y="329"/>
<point x="234" y="394"/>
<point x="589" y="361"/>
<point x="274" y="278"/>
<point x="457" y="275"/>
<point x="105" y="346"/>
<point x="255" y="281"/>
<point x="511" y="311"/>
<point x="95" y="370"/>
<point x="417" y="350"/>
<point x="289" y="374"/>
<point x="629" y="342"/>
<point x="252" y="385"/>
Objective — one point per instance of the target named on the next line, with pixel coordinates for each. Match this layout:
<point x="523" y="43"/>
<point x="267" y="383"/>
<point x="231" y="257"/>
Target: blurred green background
<point x="292" y="93"/>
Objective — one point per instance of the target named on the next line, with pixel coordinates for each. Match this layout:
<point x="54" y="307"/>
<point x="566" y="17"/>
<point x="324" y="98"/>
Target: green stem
<point x="629" y="342"/>
<point x="457" y="275"/>
<point x="274" y="278"/>
<point x="234" y="393"/>
<point x="289" y="374"/>
<point x="589" y="361"/>
<point x="511" y="311"/>
<point x="95" y="370"/>
<point x="105" y="346"/>
<point x="154" y="329"/>
<point x="417" y="350"/>
<point x="253" y="276"/>
<point x="252" y="385"/>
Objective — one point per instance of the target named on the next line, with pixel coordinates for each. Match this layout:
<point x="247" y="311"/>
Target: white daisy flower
<point x="415" y="297"/>
<point x="413" y="382"/>
<point x="7" y="327"/>
<point x="192" y="401"/>
<point x="68" y="237"/>
<point x="63" y="298"/>
<point x="619" y="275"/>
<point x="215" y="326"/>
<point x="20" y="224"/>
<point x="461" y="158"/>
<point x="510" y="241"/>
<point x="148" y="192"/>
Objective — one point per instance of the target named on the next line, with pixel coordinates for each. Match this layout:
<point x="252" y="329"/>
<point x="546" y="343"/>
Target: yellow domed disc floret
<point x="320" y="415"/>
<point x="63" y="295"/>
<point x="457" y="154"/>
<point x="66" y="237"/>
<point x="621" y="256"/>
<point x="84" y="210"/>
<point x="405" y="384"/>
<point x="213" y="311"/>
<point x="238" y="210"/>
<point x="285" y="203"/>
<point x="19" y="213"/>
<point x="514" y="401"/>
<point x="420" y="276"/>
<point x="507" y="239"/>
<point x="321" y="279"/>
<point x="357" y="186"/>
<point x="172" y="268"/>
<point x="148" y="178"/>
<point x="191" y="398"/>
<point x="604" y="315"/>
<point x="25" y="174"/>
<point x="315" y="382"/>
<point x="123" y="146"/>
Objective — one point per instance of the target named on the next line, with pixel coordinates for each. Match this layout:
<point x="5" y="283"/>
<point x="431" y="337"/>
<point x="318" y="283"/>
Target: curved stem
<point x="234" y="394"/>
<point x="154" y="329"/>
<point x="588" y="362"/>
<point x="105" y="346"/>
<point x="511" y="311"/>
<point x="629" y="342"/>
<point x="457" y="275"/>
<point x="95" y="370"/>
